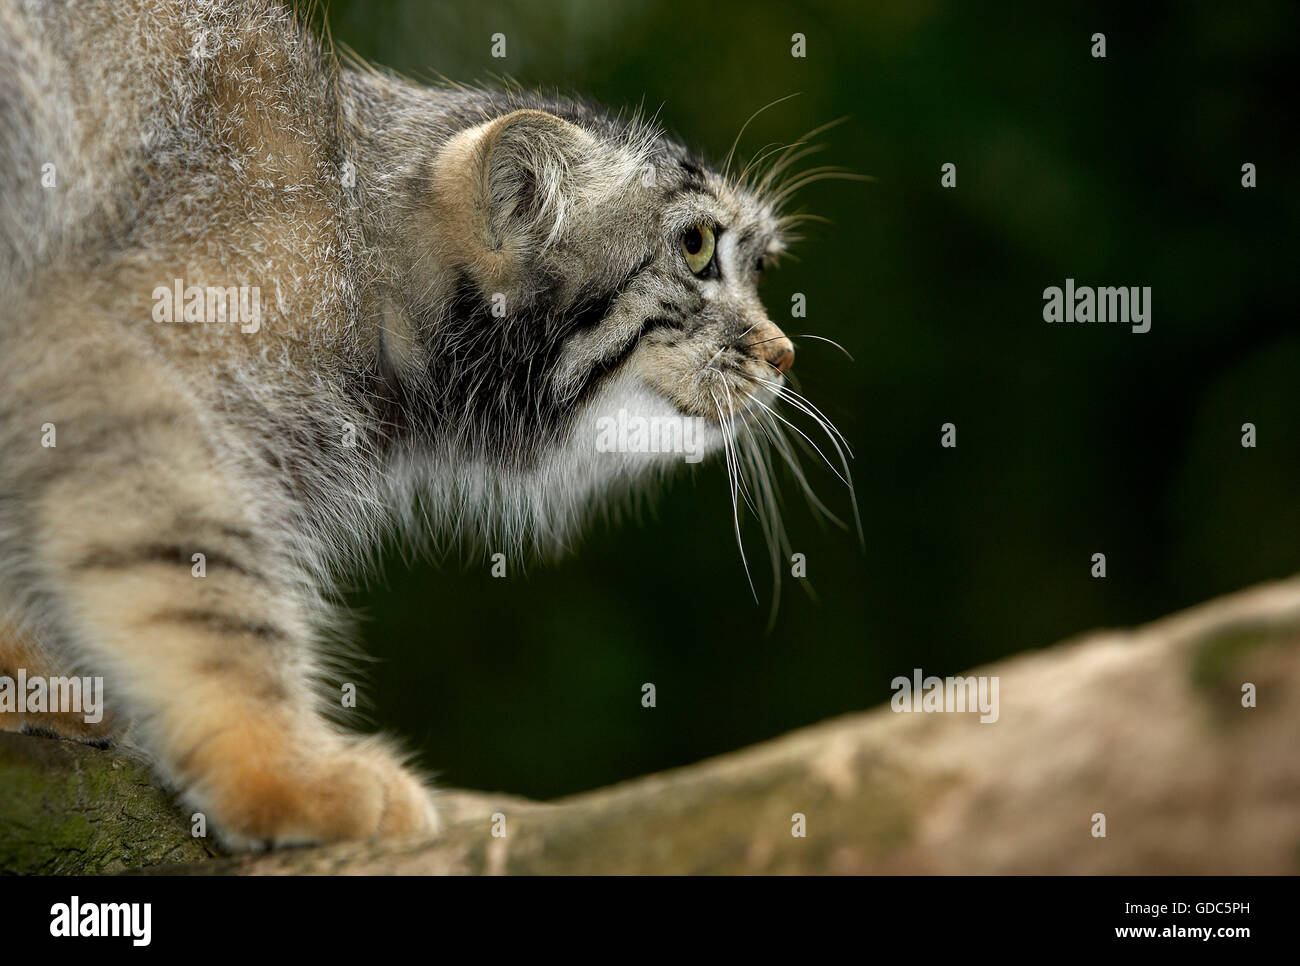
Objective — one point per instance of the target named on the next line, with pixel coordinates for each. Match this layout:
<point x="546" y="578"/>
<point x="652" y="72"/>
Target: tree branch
<point x="1146" y="727"/>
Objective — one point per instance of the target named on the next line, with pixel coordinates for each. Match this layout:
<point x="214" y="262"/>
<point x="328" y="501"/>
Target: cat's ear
<point x="514" y="181"/>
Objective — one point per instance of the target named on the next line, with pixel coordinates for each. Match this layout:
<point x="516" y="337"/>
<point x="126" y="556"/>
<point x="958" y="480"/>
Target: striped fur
<point x="455" y="286"/>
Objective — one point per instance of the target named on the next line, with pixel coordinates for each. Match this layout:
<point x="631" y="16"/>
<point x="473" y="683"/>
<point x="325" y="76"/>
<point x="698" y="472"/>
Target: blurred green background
<point x="1072" y="440"/>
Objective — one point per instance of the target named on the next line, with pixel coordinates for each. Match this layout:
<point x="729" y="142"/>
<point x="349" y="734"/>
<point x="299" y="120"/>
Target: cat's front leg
<point x="166" y="579"/>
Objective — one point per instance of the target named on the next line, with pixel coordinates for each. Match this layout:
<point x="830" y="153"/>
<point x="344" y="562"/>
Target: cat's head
<point x="639" y="260"/>
<point x="594" y="310"/>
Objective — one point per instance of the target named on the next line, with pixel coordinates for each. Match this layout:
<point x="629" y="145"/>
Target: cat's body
<point x="451" y="286"/>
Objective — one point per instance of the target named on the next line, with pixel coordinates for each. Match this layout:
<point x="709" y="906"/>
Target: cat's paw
<point x="356" y="789"/>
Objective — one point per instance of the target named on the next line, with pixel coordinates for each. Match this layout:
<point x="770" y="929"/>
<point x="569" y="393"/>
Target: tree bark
<point x="1143" y="730"/>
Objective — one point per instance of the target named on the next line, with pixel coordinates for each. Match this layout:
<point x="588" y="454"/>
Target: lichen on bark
<point x="68" y="808"/>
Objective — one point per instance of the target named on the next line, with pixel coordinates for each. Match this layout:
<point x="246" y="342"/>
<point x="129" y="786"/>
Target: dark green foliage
<point x="1071" y="440"/>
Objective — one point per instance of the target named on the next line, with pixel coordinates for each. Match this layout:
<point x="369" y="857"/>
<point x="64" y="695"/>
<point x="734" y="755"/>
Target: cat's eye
<point x="697" y="248"/>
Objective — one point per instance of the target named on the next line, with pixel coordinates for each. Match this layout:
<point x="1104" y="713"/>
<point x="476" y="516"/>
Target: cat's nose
<point x="773" y="346"/>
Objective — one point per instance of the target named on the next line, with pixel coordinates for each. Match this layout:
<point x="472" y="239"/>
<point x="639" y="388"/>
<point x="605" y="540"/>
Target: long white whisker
<point x="804" y="403"/>
<point x="822" y="338"/>
<point x="836" y="437"/>
<point x="726" y="165"/>
<point x="785" y="161"/>
<point x="828" y="463"/>
<point x="770" y="520"/>
<point x="744" y="489"/>
<point x="782" y="446"/>
<point x="732" y="474"/>
<point x="763" y="154"/>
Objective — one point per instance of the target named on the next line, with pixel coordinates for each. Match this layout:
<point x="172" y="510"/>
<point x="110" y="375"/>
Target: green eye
<point x="697" y="247"/>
